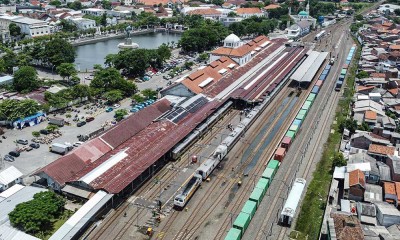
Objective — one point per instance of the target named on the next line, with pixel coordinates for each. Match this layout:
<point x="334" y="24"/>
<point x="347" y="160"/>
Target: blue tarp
<point x="31" y="120"/>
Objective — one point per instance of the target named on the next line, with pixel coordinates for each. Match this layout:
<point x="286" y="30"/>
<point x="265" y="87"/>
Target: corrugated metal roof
<point x="9" y="175"/>
<point x="305" y="66"/>
<point x="310" y="73"/>
<point x="75" y="223"/>
<point x="10" y="233"/>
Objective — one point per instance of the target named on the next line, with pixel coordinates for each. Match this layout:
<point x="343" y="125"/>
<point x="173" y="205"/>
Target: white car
<point x="117" y="105"/>
<point x="77" y="144"/>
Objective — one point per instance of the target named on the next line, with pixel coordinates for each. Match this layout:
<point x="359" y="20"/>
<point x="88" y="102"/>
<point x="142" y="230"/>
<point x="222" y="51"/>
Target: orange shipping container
<point x="280" y="154"/>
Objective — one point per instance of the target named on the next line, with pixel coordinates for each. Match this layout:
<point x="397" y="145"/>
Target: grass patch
<point x="313" y="207"/>
<point x="56" y="224"/>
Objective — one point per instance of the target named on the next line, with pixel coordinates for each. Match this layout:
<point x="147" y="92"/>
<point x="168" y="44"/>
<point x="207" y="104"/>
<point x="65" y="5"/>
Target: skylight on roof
<point x="223" y="71"/>
<point x="232" y="65"/>
<point x="206" y="82"/>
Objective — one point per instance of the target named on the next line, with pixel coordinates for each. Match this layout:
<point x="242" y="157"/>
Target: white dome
<point x="232" y="38"/>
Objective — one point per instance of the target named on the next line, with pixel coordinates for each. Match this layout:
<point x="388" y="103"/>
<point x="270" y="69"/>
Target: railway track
<point x="330" y="104"/>
<point x="150" y="189"/>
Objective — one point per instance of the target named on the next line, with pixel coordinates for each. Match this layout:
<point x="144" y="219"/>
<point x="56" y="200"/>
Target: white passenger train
<point x="210" y="164"/>
<point x="292" y="202"/>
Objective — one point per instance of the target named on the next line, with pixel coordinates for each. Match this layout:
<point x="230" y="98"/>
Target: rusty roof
<point x="272" y="6"/>
<point x="362" y="88"/>
<point x="346" y="231"/>
<point x="394" y="47"/>
<point x="370" y="115"/>
<point x="242" y="50"/>
<point x="356" y="177"/>
<point x="248" y="11"/>
<point x="389" y="188"/>
<point x="379" y="149"/>
<point x="398" y="191"/>
<point x="207" y="11"/>
<point x="137" y="122"/>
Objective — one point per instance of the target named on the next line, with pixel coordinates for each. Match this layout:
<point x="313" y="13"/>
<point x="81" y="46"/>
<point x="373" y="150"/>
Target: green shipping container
<point x="304" y="112"/>
<point x="274" y="164"/>
<point x="311" y="97"/>
<point x="290" y="134"/>
<point x="257" y="195"/>
<point x="300" y="116"/>
<point x="233" y="234"/>
<point x="306" y="105"/>
<point x="242" y="222"/>
<point x="266" y="181"/>
<point x="263" y="186"/>
<point x="344" y="71"/>
<point x="269" y="173"/>
<point x="250" y="208"/>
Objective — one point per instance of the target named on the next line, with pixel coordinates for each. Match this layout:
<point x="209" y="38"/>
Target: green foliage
<point x="35" y="133"/>
<point x="254" y="26"/>
<point x="348" y="124"/>
<point x="188" y="64"/>
<point x="14" y="29"/>
<point x="359" y="17"/>
<point x="134" y="62"/>
<point x="217" y="2"/>
<point x="106" y="4"/>
<point x="364" y="127"/>
<point x="103" y="20"/>
<point x="107" y="79"/>
<point x="81" y="91"/>
<point x="120" y="113"/>
<point x="203" y="37"/>
<point x="59" y="51"/>
<point x="232" y="14"/>
<point x="66" y="70"/>
<point x="76" y="5"/>
<point x="149" y="93"/>
<point x="203" y="57"/>
<point x="397" y="12"/>
<point x="25" y="79"/>
<point x="339" y="160"/>
<point x="362" y="74"/>
<point x="67" y="26"/>
<point x="36" y="215"/>
<point x="56" y="3"/>
<point x="113" y="96"/>
<point x="318" y="8"/>
<point x="390" y="114"/>
<point x="52" y="128"/>
<point x="138" y="98"/>
<point x="355" y="26"/>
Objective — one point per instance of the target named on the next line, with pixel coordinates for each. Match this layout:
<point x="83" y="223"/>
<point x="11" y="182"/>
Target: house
<point x="371" y="176"/>
<point x="380" y="152"/>
<point x="363" y="140"/>
<point x="9" y="177"/>
<point x="207" y="13"/>
<point x="354" y="185"/>
<point x="394" y="164"/>
<point x="344" y="226"/>
<point x="387" y="214"/>
<point x="249" y="12"/>
<point x="389" y="189"/>
<point x="32" y="27"/>
<point x="366" y="213"/>
<point x="299" y="29"/>
<point x="83" y="23"/>
<point x="373" y="193"/>
<point x="94" y="12"/>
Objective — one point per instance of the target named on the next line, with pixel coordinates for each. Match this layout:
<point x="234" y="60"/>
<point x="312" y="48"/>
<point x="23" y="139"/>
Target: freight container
<point x="311" y="97"/>
<point x="286" y="142"/>
<point x="300" y="116"/>
<point x="266" y="181"/>
<point x="345" y="66"/>
<point x="273" y="164"/>
<point x="250" y="208"/>
<point x="257" y="195"/>
<point x="318" y="83"/>
<point x="297" y="122"/>
<point x="290" y="134"/>
<point x="269" y="174"/>
<point x="315" y="89"/>
<point x="60" y="148"/>
<point x="294" y="128"/>
<point x="57" y="121"/>
<point x="263" y="186"/>
<point x="233" y="234"/>
<point x="306" y="105"/>
<point x="242" y="222"/>
<point x="280" y="154"/>
<point x="322" y="77"/>
<point x="348" y="61"/>
<point x="325" y="72"/>
<point x="328" y="67"/>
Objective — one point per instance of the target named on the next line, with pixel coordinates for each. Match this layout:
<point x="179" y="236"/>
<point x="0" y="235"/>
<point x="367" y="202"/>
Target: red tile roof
<point x="242" y="50"/>
<point x="205" y="12"/>
<point x="398" y="191"/>
<point x="370" y="115"/>
<point x="272" y="6"/>
<point x="345" y="231"/>
<point x="248" y="11"/>
<point x="356" y="177"/>
<point x="379" y="149"/>
<point x="389" y="188"/>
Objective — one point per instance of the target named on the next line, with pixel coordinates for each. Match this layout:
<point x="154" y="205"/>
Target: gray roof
<point x="370" y="232"/>
<point x="304" y="24"/>
<point x="10" y="233"/>
<point x="387" y="209"/>
<point x="373" y="193"/>
<point x="366" y="209"/>
<point x="396" y="164"/>
<point x="25" y="20"/>
<point x="371" y="138"/>
<point x="364" y="157"/>
<point x="395" y="230"/>
<point x="384" y="171"/>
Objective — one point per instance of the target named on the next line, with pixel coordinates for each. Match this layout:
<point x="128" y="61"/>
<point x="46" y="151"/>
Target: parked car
<point x="44" y="131"/>
<point x="80" y="124"/>
<point x="89" y="119"/>
<point x="14" y="153"/>
<point x="109" y="109"/>
<point x="8" y="158"/>
<point x="22" y="141"/>
<point x="77" y="144"/>
<point x="117" y="105"/>
<point x="34" y="145"/>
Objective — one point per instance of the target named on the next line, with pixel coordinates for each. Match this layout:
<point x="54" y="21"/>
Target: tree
<point x="76" y="5"/>
<point x="59" y="51"/>
<point x="348" y="124"/>
<point x="56" y="3"/>
<point x="67" y="26"/>
<point x="106" y="4"/>
<point x="103" y="20"/>
<point x="120" y="113"/>
<point x="138" y="98"/>
<point x="217" y="2"/>
<point x="364" y="127"/>
<point x="81" y="91"/>
<point x="52" y="128"/>
<point x="25" y="79"/>
<point x="66" y="70"/>
<point x="11" y="109"/>
<point x="362" y="74"/>
<point x="359" y="17"/>
<point x="232" y="14"/>
<point x="106" y="79"/>
<point x="339" y="160"/>
<point x="203" y="57"/>
<point x="14" y="29"/>
<point x="149" y="93"/>
<point x="397" y="11"/>
<point x="37" y="214"/>
<point x="113" y="96"/>
<point x="163" y="52"/>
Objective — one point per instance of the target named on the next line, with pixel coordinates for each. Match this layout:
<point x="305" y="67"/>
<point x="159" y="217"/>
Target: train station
<point x="236" y="87"/>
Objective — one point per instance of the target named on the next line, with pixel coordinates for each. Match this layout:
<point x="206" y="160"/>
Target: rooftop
<point x="248" y="11"/>
<point x="347" y="227"/>
<point x="356" y="177"/>
<point x="9" y="175"/>
<point x="379" y="149"/>
<point x="389" y="188"/>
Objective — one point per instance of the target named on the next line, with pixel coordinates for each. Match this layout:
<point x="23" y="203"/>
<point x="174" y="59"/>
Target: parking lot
<point x="29" y="162"/>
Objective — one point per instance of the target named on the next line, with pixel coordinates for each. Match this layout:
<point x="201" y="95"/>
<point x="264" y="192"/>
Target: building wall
<point x="360" y="142"/>
<point x="50" y="182"/>
<point x="5" y="187"/>
<point x="34" y="30"/>
<point x="356" y="193"/>
<point x="395" y="175"/>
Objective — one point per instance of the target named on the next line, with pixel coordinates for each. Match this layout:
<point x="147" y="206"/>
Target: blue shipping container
<point x="322" y="77"/>
<point x="328" y="67"/>
<point x="325" y="72"/>
<point x="315" y="89"/>
<point x="297" y="122"/>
